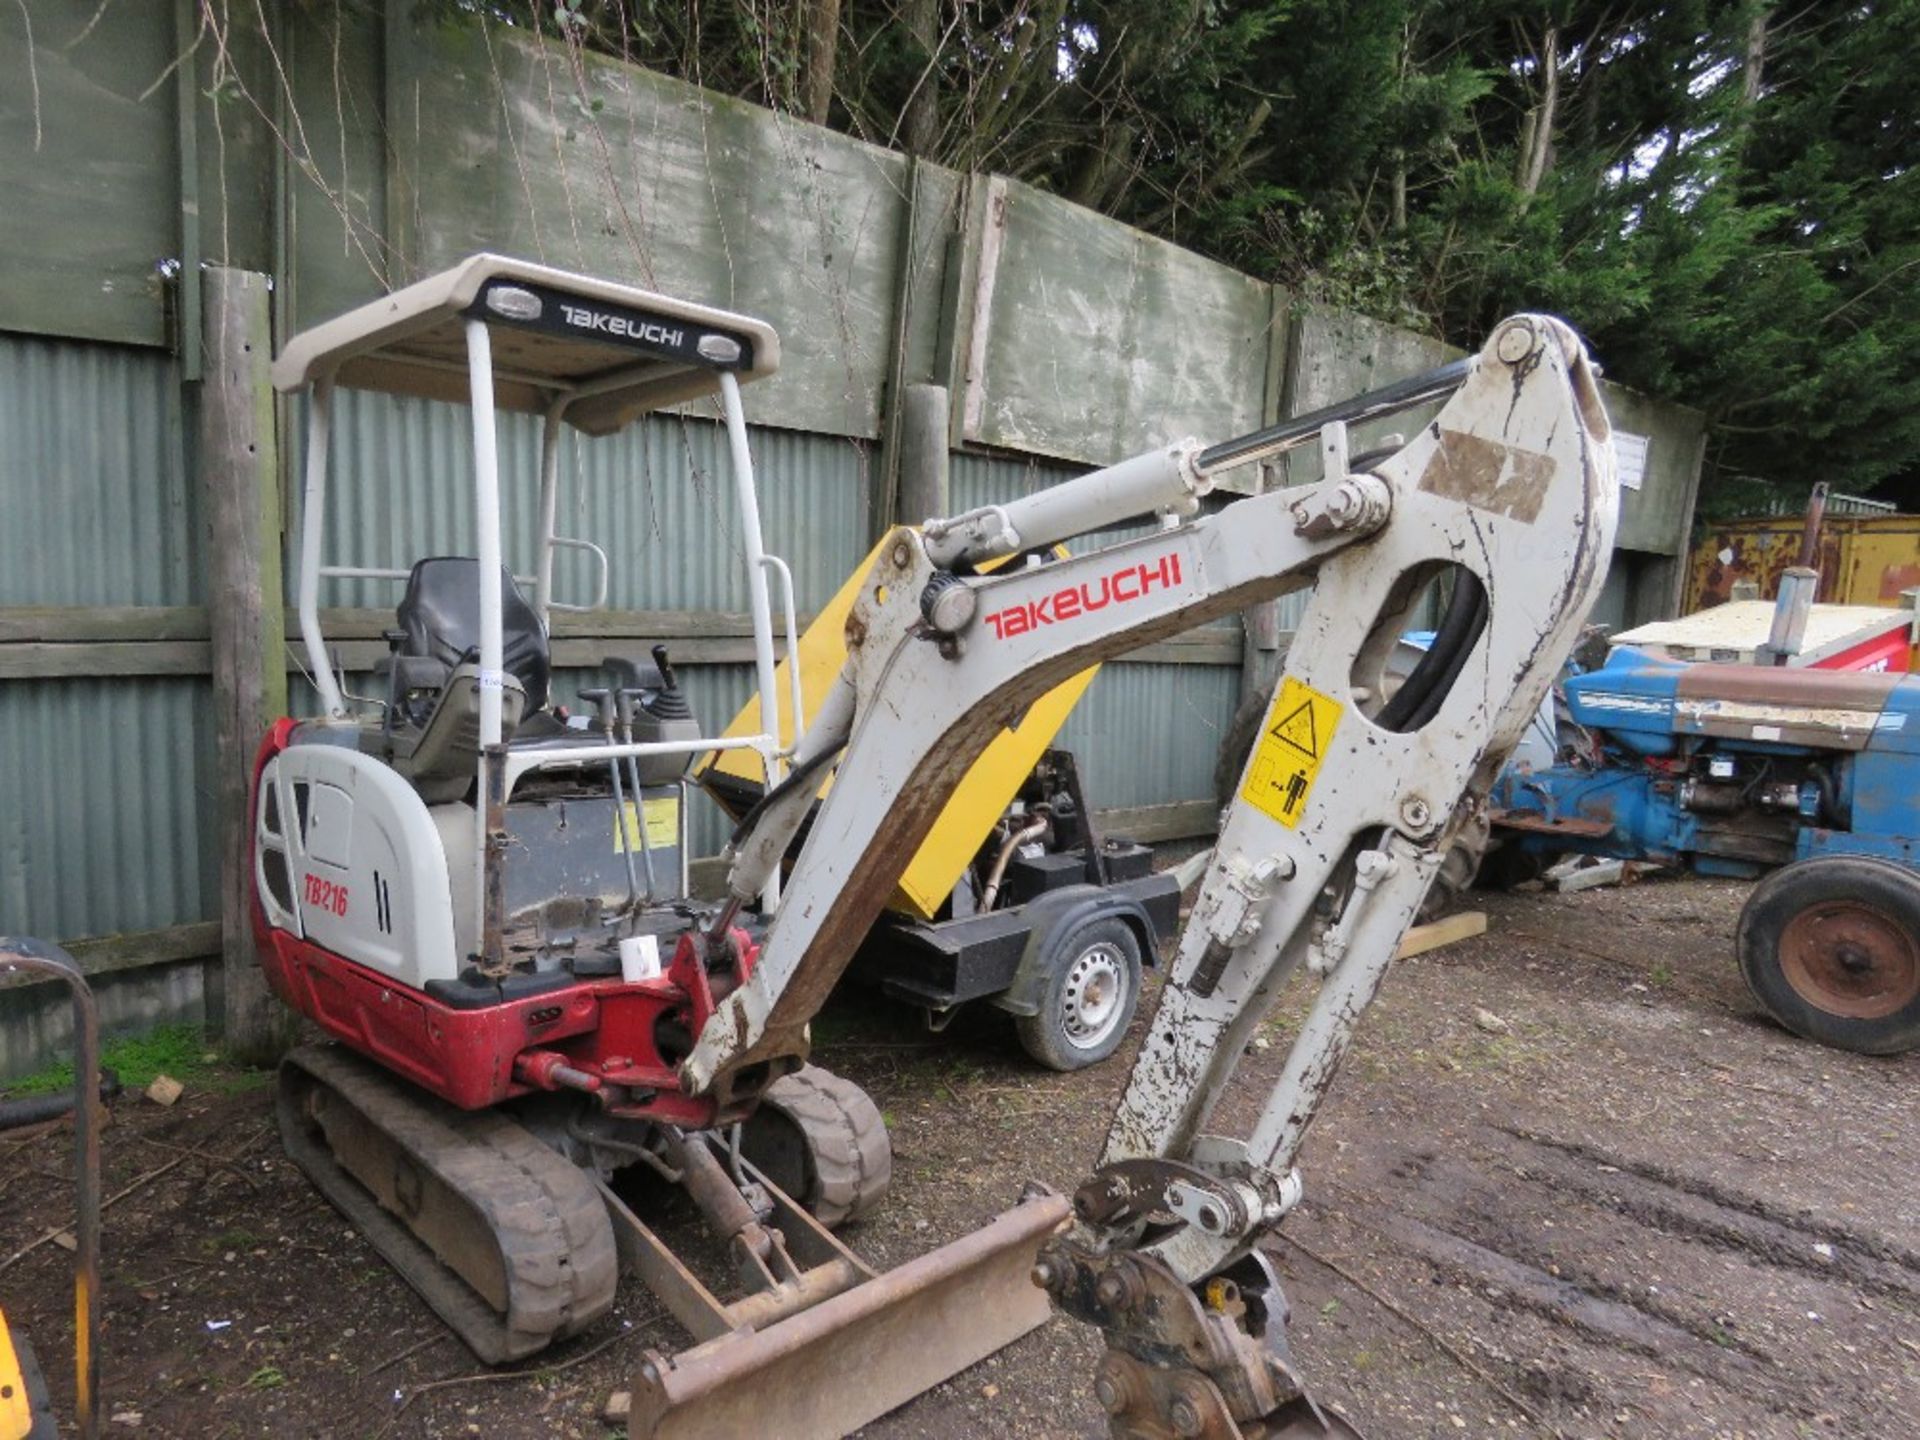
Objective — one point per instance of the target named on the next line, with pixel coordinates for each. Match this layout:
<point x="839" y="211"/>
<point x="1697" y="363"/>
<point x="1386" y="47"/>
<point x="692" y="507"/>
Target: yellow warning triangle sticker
<point x="1299" y="731"/>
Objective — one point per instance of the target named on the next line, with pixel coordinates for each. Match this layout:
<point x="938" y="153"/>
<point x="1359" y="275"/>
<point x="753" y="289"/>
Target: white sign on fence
<point x="1630" y="456"/>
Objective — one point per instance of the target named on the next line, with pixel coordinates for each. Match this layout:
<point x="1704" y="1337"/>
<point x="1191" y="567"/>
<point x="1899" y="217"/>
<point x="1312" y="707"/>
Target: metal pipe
<point x="486" y="526"/>
<point x="603" y="699"/>
<point x="1276" y="439"/>
<point x="549" y="508"/>
<point x="790" y="616"/>
<point x="625" y="700"/>
<point x="1791" y="609"/>
<point x="758" y="604"/>
<point x="1163" y="481"/>
<point x="521" y="761"/>
<point x="1810" y="537"/>
<point x="313" y="506"/>
<point x="991" y="892"/>
<point x="38" y="956"/>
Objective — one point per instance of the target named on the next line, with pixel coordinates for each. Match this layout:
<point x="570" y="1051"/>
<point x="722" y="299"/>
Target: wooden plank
<point x="89" y="165"/>
<point x="73" y="624"/>
<point x="138" y="950"/>
<point x="925" y="488"/>
<point x="194" y="657"/>
<point x="80" y="661"/>
<point x="1097" y="341"/>
<point x="1214" y="645"/>
<point x="111" y="953"/>
<point x="239" y="471"/>
<point x="610" y="169"/>
<point x="1150" y="824"/>
<point x="656" y="625"/>
<point x="1448" y="930"/>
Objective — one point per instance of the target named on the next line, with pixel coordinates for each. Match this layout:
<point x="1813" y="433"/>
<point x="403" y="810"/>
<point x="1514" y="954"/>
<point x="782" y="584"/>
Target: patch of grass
<point x="267" y="1377"/>
<point x="1661" y="974"/>
<point x="177" y="1050"/>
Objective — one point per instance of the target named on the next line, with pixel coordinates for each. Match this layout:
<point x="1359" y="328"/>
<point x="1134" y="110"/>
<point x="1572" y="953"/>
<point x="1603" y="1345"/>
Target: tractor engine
<point x="1728" y="769"/>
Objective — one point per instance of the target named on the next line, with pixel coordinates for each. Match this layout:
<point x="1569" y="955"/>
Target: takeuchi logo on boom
<point x="1129" y="583"/>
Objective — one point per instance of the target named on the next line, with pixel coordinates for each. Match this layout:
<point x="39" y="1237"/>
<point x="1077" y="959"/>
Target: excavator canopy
<point x="620" y="351"/>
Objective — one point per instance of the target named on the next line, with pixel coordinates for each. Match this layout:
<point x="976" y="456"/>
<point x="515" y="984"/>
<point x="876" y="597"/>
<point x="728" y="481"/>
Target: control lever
<point x="669" y="704"/>
<point x="629" y="699"/>
<point x="605" y="707"/>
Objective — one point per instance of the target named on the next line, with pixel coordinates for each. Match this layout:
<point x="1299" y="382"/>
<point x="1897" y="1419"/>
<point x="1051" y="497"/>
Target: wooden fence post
<point x="240" y="488"/>
<point x="924" y="488"/>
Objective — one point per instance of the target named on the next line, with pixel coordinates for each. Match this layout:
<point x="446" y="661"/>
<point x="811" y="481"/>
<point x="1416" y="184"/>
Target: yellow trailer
<point x="1862" y="560"/>
<point x="1015" y="897"/>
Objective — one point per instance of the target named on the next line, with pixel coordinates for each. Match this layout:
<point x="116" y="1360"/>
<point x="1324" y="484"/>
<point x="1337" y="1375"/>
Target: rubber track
<point x="847" y="1139"/>
<point x="545" y="1213"/>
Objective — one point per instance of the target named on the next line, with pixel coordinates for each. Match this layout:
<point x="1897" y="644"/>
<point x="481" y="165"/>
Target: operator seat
<point x="432" y="727"/>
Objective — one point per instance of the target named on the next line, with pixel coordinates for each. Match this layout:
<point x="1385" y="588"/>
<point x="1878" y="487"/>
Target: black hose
<point x="34" y="1109"/>
<point x="1419" y="699"/>
<point x="1477" y="613"/>
<point x="806" y="768"/>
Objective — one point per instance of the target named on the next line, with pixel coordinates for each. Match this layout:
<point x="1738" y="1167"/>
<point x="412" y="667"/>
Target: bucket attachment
<point x="834" y="1345"/>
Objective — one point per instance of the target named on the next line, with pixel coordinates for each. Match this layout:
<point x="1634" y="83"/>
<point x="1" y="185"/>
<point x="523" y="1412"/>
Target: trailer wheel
<point x="1831" y="948"/>
<point x="820" y="1138"/>
<point x="1089" y="999"/>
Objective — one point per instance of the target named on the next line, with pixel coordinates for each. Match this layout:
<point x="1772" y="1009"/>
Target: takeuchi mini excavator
<point x="457" y="879"/>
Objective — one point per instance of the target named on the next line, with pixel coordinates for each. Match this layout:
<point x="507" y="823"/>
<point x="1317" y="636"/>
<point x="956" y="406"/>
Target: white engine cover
<point x="366" y="867"/>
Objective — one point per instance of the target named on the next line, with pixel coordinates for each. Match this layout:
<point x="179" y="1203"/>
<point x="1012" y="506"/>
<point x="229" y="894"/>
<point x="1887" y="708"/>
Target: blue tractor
<point x="1742" y="770"/>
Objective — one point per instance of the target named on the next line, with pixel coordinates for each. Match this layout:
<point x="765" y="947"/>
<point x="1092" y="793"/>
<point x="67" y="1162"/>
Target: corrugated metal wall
<point x="101" y="777"/>
<point x="100" y="786"/>
<point x="94" y="477"/>
<point x="658" y="498"/>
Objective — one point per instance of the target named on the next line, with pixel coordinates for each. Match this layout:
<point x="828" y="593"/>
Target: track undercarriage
<point x="508" y="1226"/>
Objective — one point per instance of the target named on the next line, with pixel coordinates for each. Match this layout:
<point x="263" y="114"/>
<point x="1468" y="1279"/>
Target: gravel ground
<point x="1570" y="1183"/>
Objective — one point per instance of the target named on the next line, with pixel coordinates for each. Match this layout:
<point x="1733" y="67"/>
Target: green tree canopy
<point x="1720" y="194"/>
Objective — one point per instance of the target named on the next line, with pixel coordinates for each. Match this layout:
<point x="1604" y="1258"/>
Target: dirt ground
<point x="1570" y="1183"/>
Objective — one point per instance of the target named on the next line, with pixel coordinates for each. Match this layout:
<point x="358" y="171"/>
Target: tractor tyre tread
<point x="1878" y="882"/>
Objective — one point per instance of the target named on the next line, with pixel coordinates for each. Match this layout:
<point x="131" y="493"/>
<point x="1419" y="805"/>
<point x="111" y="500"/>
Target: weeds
<point x="177" y="1050"/>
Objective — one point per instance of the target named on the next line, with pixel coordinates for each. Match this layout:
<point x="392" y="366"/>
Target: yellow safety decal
<point x="1290" y="752"/>
<point x="663" y="825"/>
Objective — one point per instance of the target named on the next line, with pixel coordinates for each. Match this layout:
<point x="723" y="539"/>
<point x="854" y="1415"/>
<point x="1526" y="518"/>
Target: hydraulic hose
<point x="807" y="768"/>
<point x="1419" y="699"/>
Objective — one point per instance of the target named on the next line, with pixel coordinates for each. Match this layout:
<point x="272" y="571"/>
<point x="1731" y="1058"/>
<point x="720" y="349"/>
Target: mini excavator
<point x="468" y="887"/>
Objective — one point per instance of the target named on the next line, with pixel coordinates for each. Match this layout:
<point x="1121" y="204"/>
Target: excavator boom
<point x="1507" y="502"/>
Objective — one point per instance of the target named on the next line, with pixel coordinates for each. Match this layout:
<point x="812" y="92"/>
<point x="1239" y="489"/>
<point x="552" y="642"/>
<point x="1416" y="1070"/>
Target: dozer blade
<point x="850" y="1359"/>
<point x="506" y="1240"/>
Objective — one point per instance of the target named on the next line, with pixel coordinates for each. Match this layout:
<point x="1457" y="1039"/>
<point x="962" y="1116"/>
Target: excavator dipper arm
<point x="1349" y="800"/>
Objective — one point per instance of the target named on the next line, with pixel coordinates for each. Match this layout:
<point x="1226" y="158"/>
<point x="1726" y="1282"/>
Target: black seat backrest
<point x="440" y="614"/>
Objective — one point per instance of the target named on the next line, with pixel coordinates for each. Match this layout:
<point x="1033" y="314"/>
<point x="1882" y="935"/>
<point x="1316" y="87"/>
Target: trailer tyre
<point x="820" y="1138"/>
<point x="1831" y="948"/>
<point x="1089" y="998"/>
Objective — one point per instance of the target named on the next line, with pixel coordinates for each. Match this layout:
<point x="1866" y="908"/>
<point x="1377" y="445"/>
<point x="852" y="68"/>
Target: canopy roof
<point x="619" y="350"/>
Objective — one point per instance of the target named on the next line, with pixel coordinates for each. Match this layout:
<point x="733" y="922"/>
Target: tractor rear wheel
<point x="821" y="1139"/>
<point x="1831" y="948"/>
